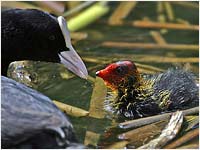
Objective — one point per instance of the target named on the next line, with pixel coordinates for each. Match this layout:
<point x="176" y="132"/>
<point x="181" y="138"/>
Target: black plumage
<point x="31" y="120"/>
<point x="169" y="91"/>
<point x="29" y="34"/>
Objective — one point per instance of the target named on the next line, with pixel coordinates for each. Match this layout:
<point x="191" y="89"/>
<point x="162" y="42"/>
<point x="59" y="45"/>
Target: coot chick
<point x="31" y="120"/>
<point x="136" y="96"/>
<point x="32" y="34"/>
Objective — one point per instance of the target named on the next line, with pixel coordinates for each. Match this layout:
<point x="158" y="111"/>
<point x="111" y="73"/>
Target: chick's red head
<point x="119" y="74"/>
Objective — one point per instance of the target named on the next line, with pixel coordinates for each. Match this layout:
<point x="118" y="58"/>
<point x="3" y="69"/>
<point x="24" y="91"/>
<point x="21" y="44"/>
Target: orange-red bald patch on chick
<point x="117" y="73"/>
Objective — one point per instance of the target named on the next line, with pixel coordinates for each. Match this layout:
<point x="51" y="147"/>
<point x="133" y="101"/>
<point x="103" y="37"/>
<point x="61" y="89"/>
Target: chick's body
<point x="137" y="96"/>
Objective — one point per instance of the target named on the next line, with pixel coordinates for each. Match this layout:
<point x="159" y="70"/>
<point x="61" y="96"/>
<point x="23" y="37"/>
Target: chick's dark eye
<point x="121" y="70"/>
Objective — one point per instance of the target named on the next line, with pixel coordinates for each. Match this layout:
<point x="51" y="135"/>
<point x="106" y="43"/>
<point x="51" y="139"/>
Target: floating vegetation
<point x="185" y="138"/>
<point x="149" y="46"/>
<point x="148" y="120"/>
<point x="149" y="132"/>
<point x="87" y="17"/>
<point x="71" y="110"/>
<point x="170" y="131"/>
<point x="121" y="12"/>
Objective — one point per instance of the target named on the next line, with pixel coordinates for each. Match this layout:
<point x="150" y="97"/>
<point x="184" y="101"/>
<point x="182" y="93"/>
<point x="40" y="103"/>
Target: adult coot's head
<point x="32" y="34"/>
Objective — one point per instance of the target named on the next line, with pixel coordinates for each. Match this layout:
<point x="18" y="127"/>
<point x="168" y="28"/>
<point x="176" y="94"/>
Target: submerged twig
<point x="160" y="10"/>
<point x="169" y="11"/>
<point x="143" y="121"/>
<point x="141" y="67"/>
<point x="158" y="59"/>
<point x="157" y="37"/>
<point x="96" y="106"/>
<point x="189" y="146"/>
<point x="87" y="16"/>
<point x="149" y="131"/>
<point x="97" y="98"/>
<point x="145" y="71"/>
<point x="91" y="79"/>
<point x="93" y="60"/>
<point x="149" y="67"/>
<point x="56" y="7"/>
<point x="187" y="4"/>
<point x="185" y="138"/>
<point x="117" y="145"/>
<point x="18" y="4"/>
<point x="168" y="133"/>
<point x="78" y="8"/>
<point x="160" y="7"/>
<point x="151" y="24"/>
<point x="121" y="12"/>
<point x="142" y="58"/>
<point x="71" y="110"/>
<point x="130" y="45"/>
<point x="91" y="138"/>
<point x="100" y="62"/>
<point x="79" y="35"/>
<point x="161" y="15"/>
<point x="192" y="122"/>
<point x="179" y="20"/>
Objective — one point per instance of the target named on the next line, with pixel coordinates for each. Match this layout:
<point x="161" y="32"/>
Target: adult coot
<point x="31" y="120"/>
<point x="32" y="34"/>
<point x="136" y="96"/>
<point x="28" y="118"/>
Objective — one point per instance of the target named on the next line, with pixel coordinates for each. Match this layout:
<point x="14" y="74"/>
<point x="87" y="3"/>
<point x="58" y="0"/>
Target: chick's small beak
<point x="70" y="58"/>
<point x="97" y="73"/>
<point x="100" y="74"/>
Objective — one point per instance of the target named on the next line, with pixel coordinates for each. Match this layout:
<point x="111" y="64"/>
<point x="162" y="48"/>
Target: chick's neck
<point x="133" y="89"/>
